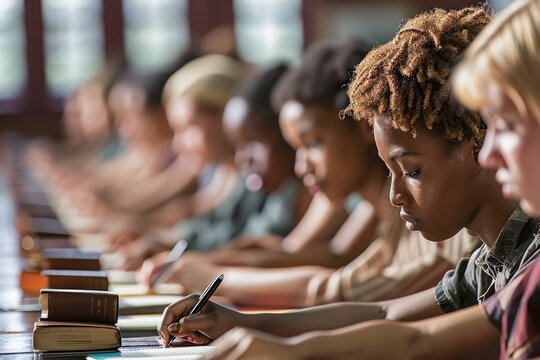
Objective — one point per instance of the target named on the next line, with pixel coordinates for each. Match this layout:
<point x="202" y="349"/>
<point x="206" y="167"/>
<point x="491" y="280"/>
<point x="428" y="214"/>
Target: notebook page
<point x="180" y="353"/>
<point x="172" y="357"/>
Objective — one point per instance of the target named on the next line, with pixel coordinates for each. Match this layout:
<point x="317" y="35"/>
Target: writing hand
<point x="201" y="328"/>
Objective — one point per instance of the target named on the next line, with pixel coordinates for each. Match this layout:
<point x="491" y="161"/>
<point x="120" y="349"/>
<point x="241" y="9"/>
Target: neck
<point x="373" y="186"/>
<point x="492" y="215"/>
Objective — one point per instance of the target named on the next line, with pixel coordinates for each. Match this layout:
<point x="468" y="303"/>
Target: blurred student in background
<point x="226" y="206"/>
<point x="266" y="163"/>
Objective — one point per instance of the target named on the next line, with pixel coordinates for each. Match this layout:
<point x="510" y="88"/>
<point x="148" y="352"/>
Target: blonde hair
<point x="507" y="52"/>
<point x="209" y="81"/>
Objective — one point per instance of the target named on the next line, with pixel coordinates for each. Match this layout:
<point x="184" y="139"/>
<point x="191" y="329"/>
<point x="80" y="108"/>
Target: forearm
<point x="314" y="255"/>
<point x="282" y="288"/>
<point x="174" y="210"/>
<point x="464" y="334"/>
<point x="149" y="194"/>
<point x="379" y="339"/>
<point x="435" y="338"/>
<point x="325" y="317"/>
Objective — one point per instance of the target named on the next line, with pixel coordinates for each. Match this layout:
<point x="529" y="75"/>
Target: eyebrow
<point x="400" y="153"/>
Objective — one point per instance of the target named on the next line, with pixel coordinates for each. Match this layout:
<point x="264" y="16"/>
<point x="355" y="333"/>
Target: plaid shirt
<point x="489" y="270"/>
<point x="516" y="312"/>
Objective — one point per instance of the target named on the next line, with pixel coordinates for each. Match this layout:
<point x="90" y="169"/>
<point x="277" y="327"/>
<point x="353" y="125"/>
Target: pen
<point x="174" y="255"/>
<point x="203" y="299"/>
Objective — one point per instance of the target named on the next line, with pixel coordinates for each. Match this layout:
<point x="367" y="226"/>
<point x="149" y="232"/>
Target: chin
<point x="435" y="237"/>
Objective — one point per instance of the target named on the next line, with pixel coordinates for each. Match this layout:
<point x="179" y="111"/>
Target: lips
<point x="312" y="184"/>
<point x="508" y="187"/>
<point x="313" y="189"/>
<point x="412" y="223"/>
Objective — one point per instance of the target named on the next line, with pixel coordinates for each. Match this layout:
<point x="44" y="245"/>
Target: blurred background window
<point x="498" y="5"/>
<point x="74" y="45"/>
<point x="268" y="31"/>
<point x="12" y="49"/>
<point x="376" y="22"/>
<point x="156" y="32"/>
<point x="50" y="47"/>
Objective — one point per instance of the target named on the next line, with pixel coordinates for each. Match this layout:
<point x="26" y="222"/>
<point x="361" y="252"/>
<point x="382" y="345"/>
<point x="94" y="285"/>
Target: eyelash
<point x="315" y="143"/>
<point x="414" y="175"/>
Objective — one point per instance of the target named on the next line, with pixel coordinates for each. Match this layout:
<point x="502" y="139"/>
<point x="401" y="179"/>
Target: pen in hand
<point x="173" y="257"/>
<point x="203" y="299"/>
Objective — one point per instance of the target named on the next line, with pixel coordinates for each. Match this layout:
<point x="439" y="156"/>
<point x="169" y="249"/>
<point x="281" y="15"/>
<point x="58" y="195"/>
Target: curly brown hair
<point x="406" y="79"/>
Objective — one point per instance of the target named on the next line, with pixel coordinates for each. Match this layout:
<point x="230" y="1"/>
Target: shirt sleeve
<point x="457" y="289"/>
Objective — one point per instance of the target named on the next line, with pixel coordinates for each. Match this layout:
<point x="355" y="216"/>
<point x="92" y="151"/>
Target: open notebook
<point x="179" y="353"/>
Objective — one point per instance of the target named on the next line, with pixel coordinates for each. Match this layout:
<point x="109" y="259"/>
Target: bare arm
<point x="315" y="254"/>
<point x="308" y="243"/>
<point x="321" y="222"/>
<point x="466" y="334"/>
<point x="214" y="319"/>
<point x="149" y="193"/>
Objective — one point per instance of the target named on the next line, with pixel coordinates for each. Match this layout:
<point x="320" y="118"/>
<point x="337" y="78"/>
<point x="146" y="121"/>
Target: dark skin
<point x="483" y="211"/>
<point x="320" y="139"/>
<point x="259" y="147"/>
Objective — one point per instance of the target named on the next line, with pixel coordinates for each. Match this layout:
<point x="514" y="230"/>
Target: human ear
<point x="367" y="132"/>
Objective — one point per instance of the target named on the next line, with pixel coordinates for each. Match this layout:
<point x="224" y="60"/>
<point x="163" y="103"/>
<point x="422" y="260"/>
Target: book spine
<point x="97" y="308"/>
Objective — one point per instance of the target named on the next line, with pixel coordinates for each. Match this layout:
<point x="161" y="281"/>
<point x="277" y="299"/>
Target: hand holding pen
<point x="167" y="326"/>
<point x="172" y="258"/>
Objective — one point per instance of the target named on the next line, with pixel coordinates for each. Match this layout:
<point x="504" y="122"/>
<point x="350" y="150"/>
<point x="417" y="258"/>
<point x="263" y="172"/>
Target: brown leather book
<point x="79" y="305"/>
<point x="70" y="259"/>
<point x="32" y="281"/>
<point x="76" y="279"/>
<point x="40" y="226"/>
<point x="74" y="336"/>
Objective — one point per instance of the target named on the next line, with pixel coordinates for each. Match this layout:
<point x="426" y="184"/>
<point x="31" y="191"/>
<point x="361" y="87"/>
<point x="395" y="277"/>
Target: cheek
<point x="444" y="203"/>
<point x="527" y="169"/>
<point x="263" y="156"/>
<point x="192" y="139"/>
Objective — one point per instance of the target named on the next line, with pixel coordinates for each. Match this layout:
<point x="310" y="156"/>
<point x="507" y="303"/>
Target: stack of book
<point x="77" y="320"/>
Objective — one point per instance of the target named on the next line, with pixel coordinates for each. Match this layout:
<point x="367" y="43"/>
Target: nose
<point x="490" y="156"/>
<point x="242" y="157"/>
<point x="178" y="143"/>
<point x="398" y="196"/>
<point x="301" y="163"/>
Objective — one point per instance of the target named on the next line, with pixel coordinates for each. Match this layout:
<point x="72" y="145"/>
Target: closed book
<point x="76" y="279"/>
<point x="41" y="226"/>
<point x="79" y="305"/>
<point x="70" y="259"/>
<point x="74" y="336"/>
<point x="32" y="281"/>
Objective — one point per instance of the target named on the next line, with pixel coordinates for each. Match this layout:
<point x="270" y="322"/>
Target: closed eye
<point x="415" y="174"/>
